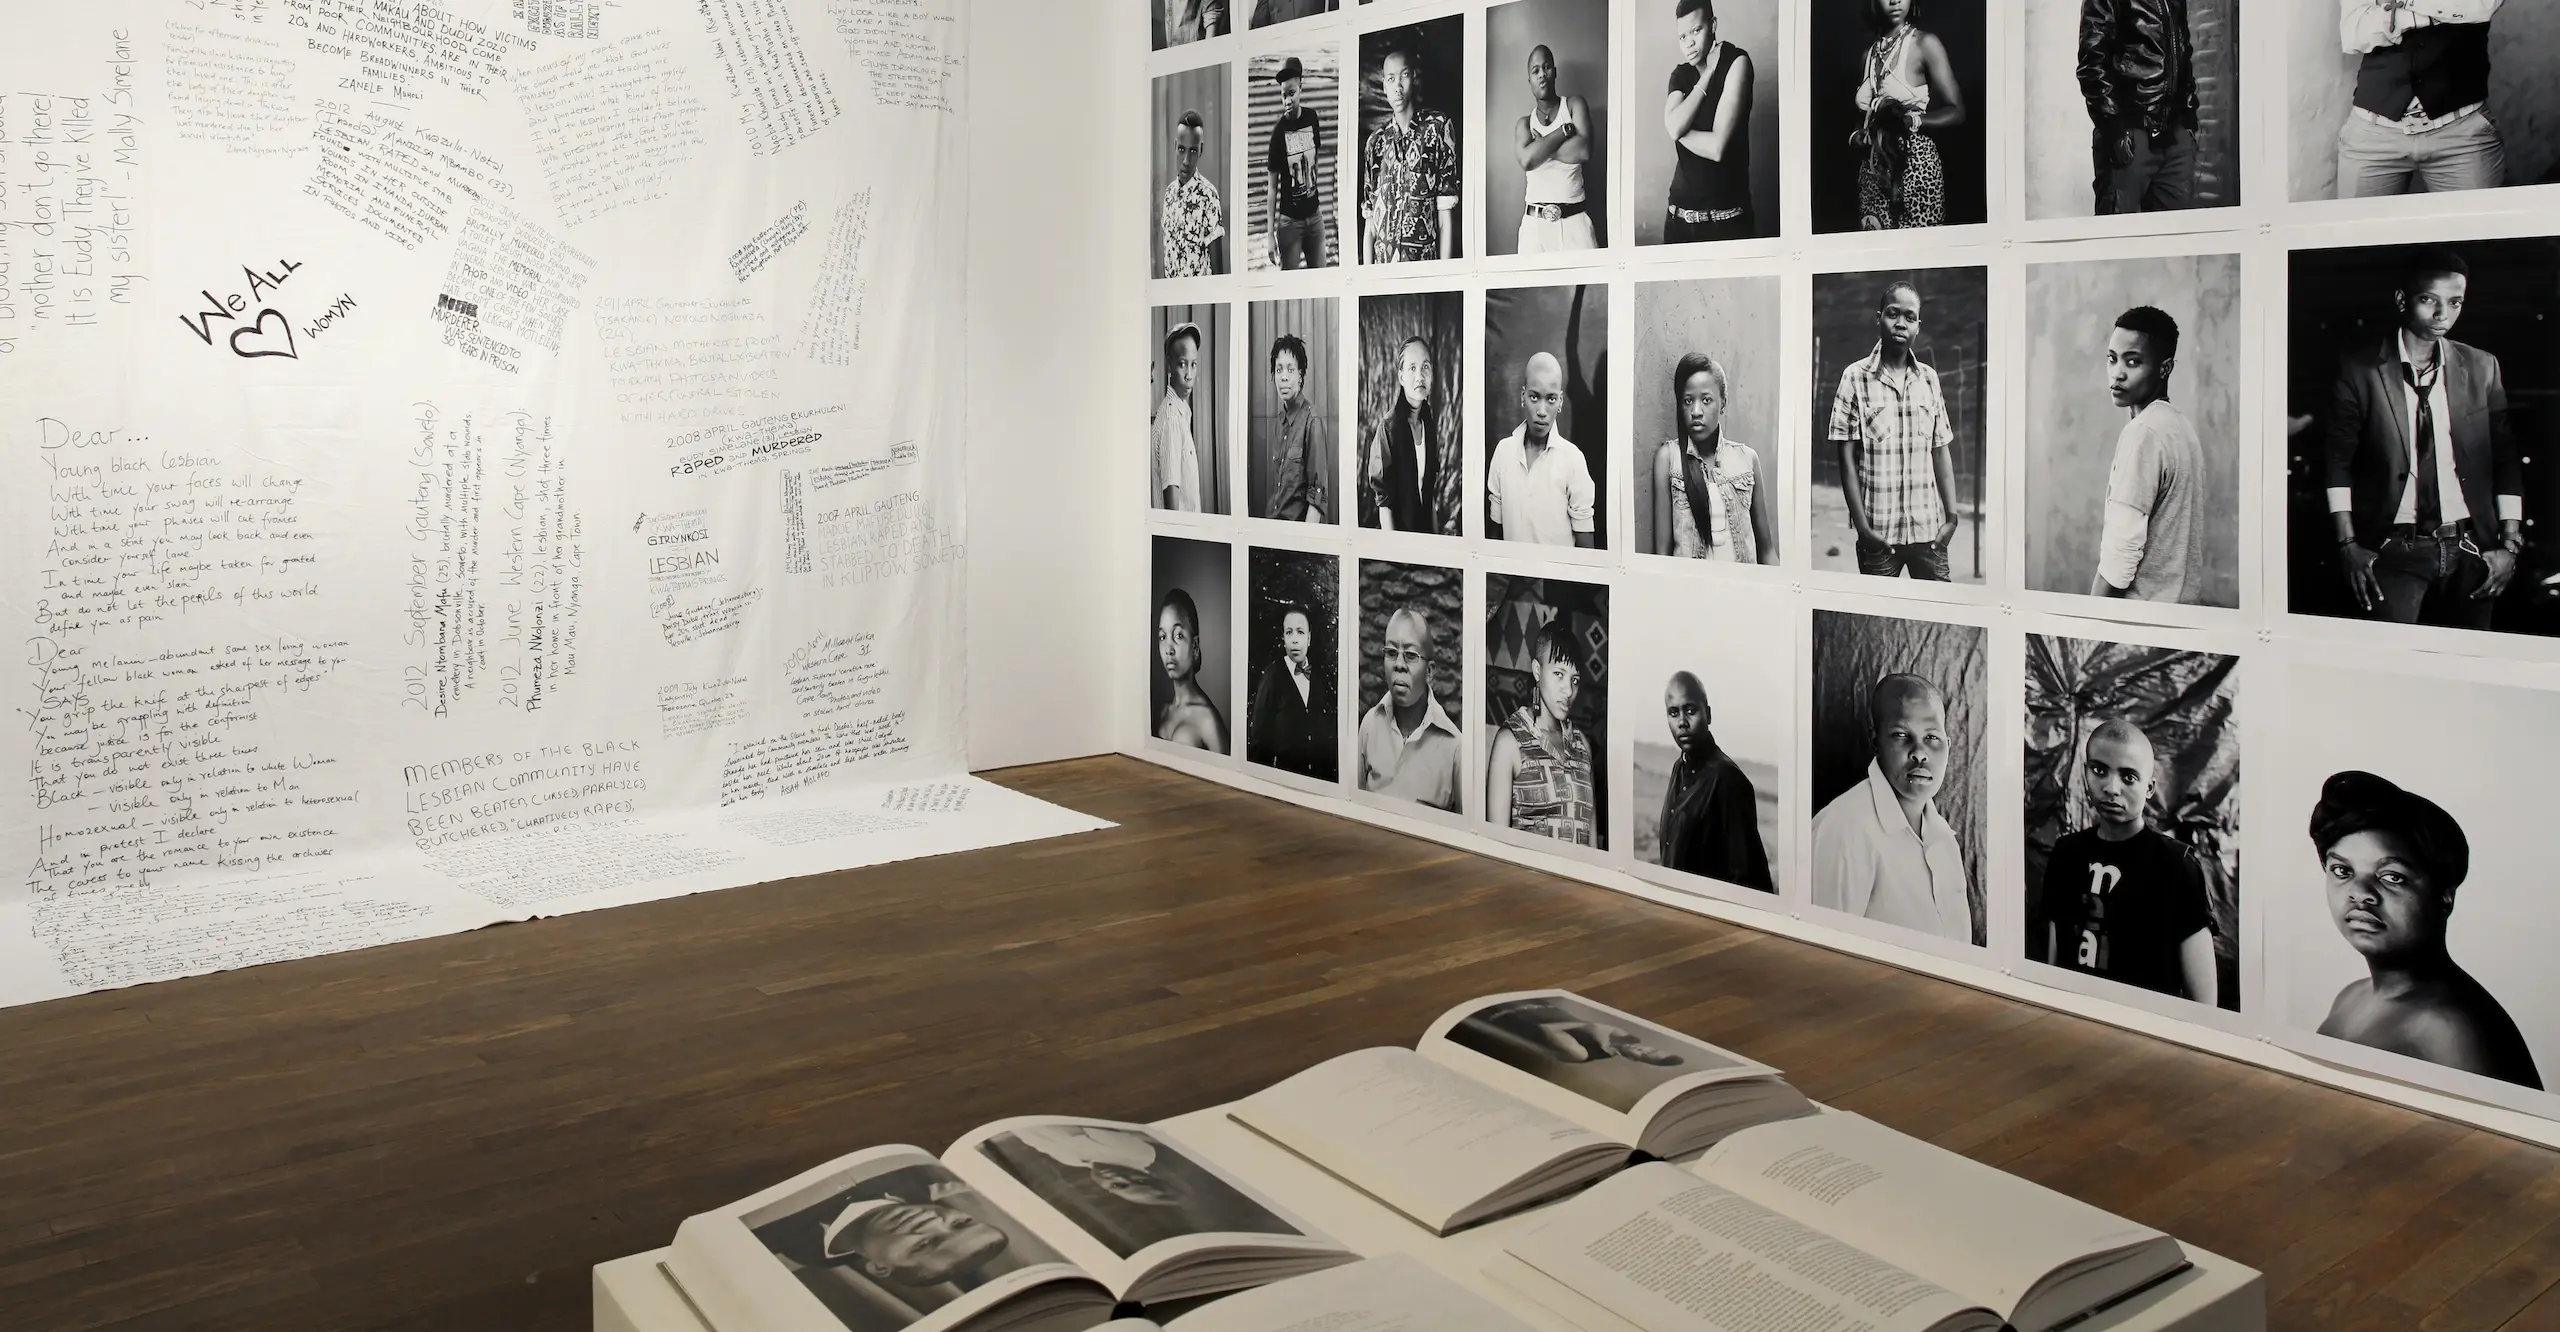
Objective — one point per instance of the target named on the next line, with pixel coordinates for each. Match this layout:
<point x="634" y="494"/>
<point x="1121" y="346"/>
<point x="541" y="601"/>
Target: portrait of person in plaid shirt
<point x="1889" y="420"/>
<point x="1408" y="169"/>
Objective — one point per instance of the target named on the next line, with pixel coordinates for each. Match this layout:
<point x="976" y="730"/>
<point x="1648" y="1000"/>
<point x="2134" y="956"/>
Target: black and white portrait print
<point x="2390" y="98"/>
<point x="1901" y="364"/>
<point x="2132" y="432"/>
<point x="1546" y="415"/>
<point x="1412" y="467"/>
<point x="1900" y="772"/>
<point x="2133" y="815"/>
<point x="1547" y="125"/>
<point x="1191" y="621"/>
<point x="1898" y="114"/>
<point x="2418" y="396"/>
<point x="1709" y="714"/>
<point x="1710" y="462"/>
<point x="2132" y="106"/>
<point x="1294" y="167"/>
<point x="893" y="1239"/>
<point x="1411" y="737"/>
<point x="1412" y="141"/>
<point x="1596" y="1053"/>
<point x="1189" y="199"/>
<point x="1706" y="169"/>
<point x="1124" y="1185"/>
<point x="1182" y="22"/>
<point x="1293" y="400"/>
<point x="1186" y="421"/>
<point x="1547" y="709"/>
<point x="1293" y="658"/>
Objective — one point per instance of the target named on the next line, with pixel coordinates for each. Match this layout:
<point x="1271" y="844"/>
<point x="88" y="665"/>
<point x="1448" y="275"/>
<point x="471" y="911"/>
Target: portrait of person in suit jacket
<point x="2424" y="479"/>
<point x="1290" y="723"/>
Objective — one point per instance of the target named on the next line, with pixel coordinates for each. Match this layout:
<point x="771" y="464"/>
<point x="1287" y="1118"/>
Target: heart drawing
<point x="259" y="330"/>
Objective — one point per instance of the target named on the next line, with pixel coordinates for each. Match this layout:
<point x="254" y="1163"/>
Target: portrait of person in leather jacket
<point x="2137" y="73"/>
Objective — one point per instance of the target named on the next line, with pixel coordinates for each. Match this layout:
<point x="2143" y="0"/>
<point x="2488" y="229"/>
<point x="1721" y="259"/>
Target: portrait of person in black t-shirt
<point x="2123" y="900"/>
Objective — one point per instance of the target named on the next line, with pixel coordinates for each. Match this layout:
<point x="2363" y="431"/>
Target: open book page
<point x="1965" y="1225"/>
<point x="1603" y="1069"/>
<point x="880" y="1241"/>
<point x="1395" y="1293"/>
<point x="1123" y="1201"/>
<point x="1666" y="1252"/>
<point x="1424" y="1139"/>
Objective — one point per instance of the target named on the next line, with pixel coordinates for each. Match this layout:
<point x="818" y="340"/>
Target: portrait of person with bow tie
<point x="1290" y="720"/>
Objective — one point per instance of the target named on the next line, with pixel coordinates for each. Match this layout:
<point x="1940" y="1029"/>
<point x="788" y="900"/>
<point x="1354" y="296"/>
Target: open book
<point x="1511" y="1100"/>
<point x="1395" y="1293"/>
<point x="1831" y="1217"/>
<point x="1025" y="1225"/>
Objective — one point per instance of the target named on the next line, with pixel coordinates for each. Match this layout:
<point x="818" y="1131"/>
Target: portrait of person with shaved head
<point x="1537" y="486"/>
<point x="2122" y="899"/>
<point x="1881" y="849"/>
<point x="1710" y="812"/>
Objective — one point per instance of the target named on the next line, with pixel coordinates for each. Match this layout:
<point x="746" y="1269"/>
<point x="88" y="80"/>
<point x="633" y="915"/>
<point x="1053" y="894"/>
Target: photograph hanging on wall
<point x="1710" y="464"/>
<point x="1708" y="708"/>
<point x="1186" y="455"/>
<point x="1412" y="468"/>
<point x="1706" y="169"/>
<point x="2132" y="106"/>
<point x="2132" y="815"/>
<point x="1294" y="171"/>
<point x="1900" y="380"/>
<point x="2132" y="429"/>
<point x="2390" y="98"/>
<point x="1292" y="393"/>
<point x="1546" y="415"/>
<point x="1547" y="119"/>
<point x="1293" y="656"/>
<point x="1898" y="114"/>
<point x="1412" y="141"/>
<point x="2413" y="904"/>
<point x="1265" y="13"/>
<point x="1901" y="772"/>
<point x="2418" y="392"/>
<point x="1190" y="167"/>
<point x="1413" y="676"/>
<point x="1546" y="708"/>
<point x="1182" y="22"/>
<point x="1189" y="692"/>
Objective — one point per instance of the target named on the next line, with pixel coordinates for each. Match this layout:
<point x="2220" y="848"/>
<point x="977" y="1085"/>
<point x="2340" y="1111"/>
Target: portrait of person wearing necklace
<point x="1539" y="780"/>
<point x="1906" y="95"/>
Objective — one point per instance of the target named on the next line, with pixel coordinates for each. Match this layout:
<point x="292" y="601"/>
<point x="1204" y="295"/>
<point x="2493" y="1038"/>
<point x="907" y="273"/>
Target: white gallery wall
<point x="2259" y="689"/>
<point x="473" y="461"/>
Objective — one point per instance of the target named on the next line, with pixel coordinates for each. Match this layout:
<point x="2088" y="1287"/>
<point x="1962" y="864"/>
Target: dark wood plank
<point x="446" y="1134"/>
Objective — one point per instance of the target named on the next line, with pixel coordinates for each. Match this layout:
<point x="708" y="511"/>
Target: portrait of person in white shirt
<point x="1881" y="849"/>
<point x="1408" y="746"/>
<point x="2153" y="545"/>
<point x="1537" y="486"/>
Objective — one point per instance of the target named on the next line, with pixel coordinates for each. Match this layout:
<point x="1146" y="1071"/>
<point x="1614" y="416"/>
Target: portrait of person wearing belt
<point x="2419" y="121"/>
<point x="2138" y="77"/>
<point x="2424" y="480"/>
<point x="1707" y="113"/>
<point x="1553" y="143"/>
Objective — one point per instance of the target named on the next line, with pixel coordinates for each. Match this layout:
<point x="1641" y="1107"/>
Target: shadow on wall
<point x="1203" y="90"/>
<point x="1515" y="608"/>
<point x="1201" y="569"/>
<point x="1851" y="653"/>
<point x="1729" y="319"/>
<point x="1208" y="394"/>
<point x="1840" y="38"/>
<point x="1313" y="323"/>
<point x="2072" y="425"/>
<point x="1577" y="31"/>
<point x="1653" y="52"/>
<point x="2524" y="99"/>
<point x="2061" y="170"/>
<point x="1440" y="593"/>
<point x="1385" y="323"/>
<point x="2183" y="702"/>
<point x="1572" y="324"/>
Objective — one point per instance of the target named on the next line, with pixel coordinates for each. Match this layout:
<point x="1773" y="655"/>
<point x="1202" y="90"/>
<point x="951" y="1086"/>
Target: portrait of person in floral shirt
<point x="1408" y="167"/>
<point x="1194" y="218"/>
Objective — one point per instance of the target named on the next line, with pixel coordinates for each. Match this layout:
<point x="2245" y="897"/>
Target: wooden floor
<point x="446" y="1134"/>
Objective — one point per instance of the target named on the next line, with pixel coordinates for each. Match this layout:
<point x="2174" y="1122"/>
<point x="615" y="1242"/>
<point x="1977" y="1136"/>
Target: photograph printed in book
<point x="1293" y="658"/>
<point x="1191" y="622"/>
<point x="1595" y="1053"/>
<point x="1900" y="772"/>
<point x="1546" y="708"/>
<point x="1125" y="1186"/>
<point x="883" y="1248"/>
<point x="2132" y="816"/>
<point x="1413" y="676"/>
<point x="1546" y="410"/>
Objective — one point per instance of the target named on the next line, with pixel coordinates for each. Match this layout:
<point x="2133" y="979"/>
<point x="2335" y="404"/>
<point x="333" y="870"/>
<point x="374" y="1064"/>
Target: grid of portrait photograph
<point x="1883" y="462"/>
